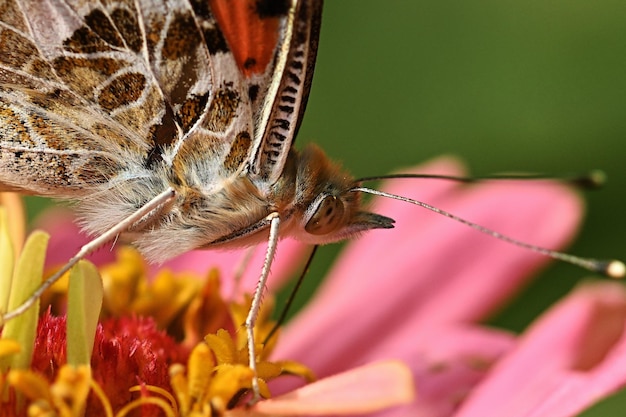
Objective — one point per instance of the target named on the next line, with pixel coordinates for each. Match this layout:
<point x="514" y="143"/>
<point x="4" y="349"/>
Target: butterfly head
<point x="327" y="208"/>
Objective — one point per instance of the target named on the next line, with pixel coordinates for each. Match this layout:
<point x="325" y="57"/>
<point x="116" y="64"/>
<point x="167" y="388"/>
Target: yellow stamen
<point x="199" y="370"/>
<point x="139" y="402"/>
<point x="9" y="347"/>
<point x="70" y="389"/>
<point x="229" y="380"/>
<point x="296" y="369"/>
<point x="106" y="404"/>
<point x="30" y="384"/>
<point x="223" y="347"/>
<point x="178" y="382"/>
<point x="160" y="391"/>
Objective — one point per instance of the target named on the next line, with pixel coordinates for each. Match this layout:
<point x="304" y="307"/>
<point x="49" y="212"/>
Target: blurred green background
<point x="534" y="86"/>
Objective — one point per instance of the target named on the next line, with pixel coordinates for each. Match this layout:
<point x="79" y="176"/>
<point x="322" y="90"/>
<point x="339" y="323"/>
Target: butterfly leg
<point x="158" y="201"/>
<point x="274" y="220"/>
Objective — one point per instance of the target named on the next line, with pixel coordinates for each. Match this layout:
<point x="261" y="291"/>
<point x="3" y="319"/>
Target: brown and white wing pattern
<point x="274" y="44"/>
<point x="116" y="101"/>
<point x="56" y="136"/>
<point x="286" y="95"/>
<point x="101" y="92"/>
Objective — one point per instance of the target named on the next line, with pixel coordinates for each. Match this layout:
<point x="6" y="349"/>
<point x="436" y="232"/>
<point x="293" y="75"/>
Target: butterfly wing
<point x="274" y="44"/>
<point x="93" y="93"/>
<point x="46" y="129"/>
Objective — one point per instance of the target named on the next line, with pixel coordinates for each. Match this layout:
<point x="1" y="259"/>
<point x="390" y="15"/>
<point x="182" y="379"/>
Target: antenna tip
<point x="615" y="269"/>
<point x="593" y="180"/>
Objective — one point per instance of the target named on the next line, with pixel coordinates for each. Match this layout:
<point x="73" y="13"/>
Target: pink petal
<point x="482" y="272"/>
<point x="66" y="238"/>
<point x="447" y="363"/>
<point x="288" y="258"/>
<point x="570" y="358"/>
<point x="430" y="270"/>
<point x="366" y="389"/>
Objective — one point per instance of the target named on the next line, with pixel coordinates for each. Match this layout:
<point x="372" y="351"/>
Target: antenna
<point x="610" y="268"/>
<point x="292" y="295"/>
<point x="592" y="180"/>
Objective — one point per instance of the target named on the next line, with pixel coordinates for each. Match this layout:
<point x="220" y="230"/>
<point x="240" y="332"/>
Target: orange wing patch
<point x="251" y="28"/>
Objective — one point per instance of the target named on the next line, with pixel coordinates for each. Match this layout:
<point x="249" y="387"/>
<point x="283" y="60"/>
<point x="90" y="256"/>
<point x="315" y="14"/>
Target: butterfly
<point x="171" y="122"/>
<point x="111" y="103"/>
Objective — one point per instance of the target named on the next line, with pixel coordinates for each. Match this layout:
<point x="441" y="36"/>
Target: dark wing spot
<point x="128" y="27"/>
<point x="182" y="38"/>
<point x="201" y="9"/>
<point x="215" y="40"/>
<point x="124" y="90"/>
<point x="253" y="92"/>
<point x="286" y="109"/>
<point x="249" y="63"/>
<point x="163" y="134"/>
<point x="271" y="8"/>
<point x="66" y="67"/>
<point x="191" y="110"/>
<point x="101" y="25"/>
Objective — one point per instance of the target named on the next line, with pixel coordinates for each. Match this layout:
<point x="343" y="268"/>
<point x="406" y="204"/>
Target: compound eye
<point x="327" y="216"/>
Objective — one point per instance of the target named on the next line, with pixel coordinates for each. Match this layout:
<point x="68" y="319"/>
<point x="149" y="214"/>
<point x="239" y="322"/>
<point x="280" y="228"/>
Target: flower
<point x="50" y="370"/>
<point x="415" y="295"/>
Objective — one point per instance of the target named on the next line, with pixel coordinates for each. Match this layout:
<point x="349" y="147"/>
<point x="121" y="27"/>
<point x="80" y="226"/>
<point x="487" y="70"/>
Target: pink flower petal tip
<point x="366" y="389"/>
